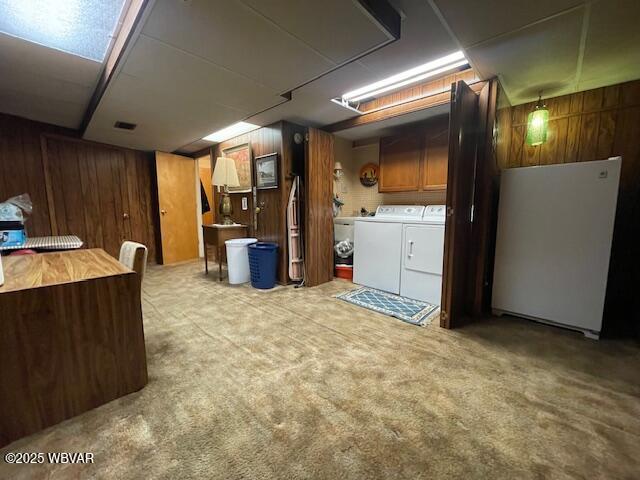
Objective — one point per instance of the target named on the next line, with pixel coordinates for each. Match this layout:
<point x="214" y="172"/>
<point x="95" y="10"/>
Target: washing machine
<point x="400" y="250"/>
<point x="377" y="258"/>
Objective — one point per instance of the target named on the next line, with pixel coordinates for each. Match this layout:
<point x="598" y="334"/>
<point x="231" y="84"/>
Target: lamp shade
<point x="225" y="173"/>
<point x="537" y="124"/>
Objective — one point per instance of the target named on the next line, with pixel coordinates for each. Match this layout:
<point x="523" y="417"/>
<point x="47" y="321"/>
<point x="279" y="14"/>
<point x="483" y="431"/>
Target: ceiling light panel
<point x="230" y="132"/>
<point x="81" y="27"/>
<point x="407" y="77"/>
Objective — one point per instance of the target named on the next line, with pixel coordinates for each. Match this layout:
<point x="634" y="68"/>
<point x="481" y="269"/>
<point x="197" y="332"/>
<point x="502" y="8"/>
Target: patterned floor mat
<point x="405" y="309"/>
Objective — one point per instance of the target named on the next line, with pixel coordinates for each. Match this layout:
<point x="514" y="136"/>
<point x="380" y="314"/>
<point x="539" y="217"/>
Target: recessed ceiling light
<point x="230" y="132"/>
<point x="402" y="79"/>
<point x="80" y="27"/>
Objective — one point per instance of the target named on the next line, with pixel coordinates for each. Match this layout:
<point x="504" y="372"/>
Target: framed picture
<point x="241" y="155"/>
<point x="267" y="171"/>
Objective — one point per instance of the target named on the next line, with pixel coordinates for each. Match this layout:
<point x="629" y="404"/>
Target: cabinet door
<point x="436" y="157"/>
<point x="400" y="158"/>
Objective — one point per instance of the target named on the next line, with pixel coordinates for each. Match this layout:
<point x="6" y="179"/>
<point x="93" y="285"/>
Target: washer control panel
<point x="435" y="213"/>
<point x="411" y="212"/>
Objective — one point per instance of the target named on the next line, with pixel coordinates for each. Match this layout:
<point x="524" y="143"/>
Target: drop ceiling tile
<point x="42" y="109"/>
<point x="307" y="109"/>
<point x="473" y="21"/>
<point x="338" y="30"/>
<point x="173" y="72"/>
<point x="195" y="146"/>
<point x="235" y="37"/>
<point x="28" y="83"/>
<point x="612" y="49"/>
<point x="19" y="54"/>
<point x="543" y="57"/>
<point x="44" y="84"/>
<point x="164" y="121"/>
<point x="423" y="39"/>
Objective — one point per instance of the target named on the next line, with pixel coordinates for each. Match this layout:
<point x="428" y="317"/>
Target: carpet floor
<point x="295" y="384"/>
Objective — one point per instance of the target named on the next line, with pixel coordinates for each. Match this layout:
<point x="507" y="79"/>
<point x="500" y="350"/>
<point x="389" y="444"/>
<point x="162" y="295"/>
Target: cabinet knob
<point x="163" y="212"/>
<point x="125" y="215"/>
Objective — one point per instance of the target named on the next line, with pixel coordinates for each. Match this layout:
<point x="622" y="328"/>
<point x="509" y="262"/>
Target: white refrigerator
<point x="555" y="226"/>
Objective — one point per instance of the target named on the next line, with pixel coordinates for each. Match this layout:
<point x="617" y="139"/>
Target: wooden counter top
<point x="22" y="272"/>
<point x="71" y="338"/>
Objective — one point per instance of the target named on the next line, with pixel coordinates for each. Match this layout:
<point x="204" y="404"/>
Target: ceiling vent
<point x="125" y="125"/>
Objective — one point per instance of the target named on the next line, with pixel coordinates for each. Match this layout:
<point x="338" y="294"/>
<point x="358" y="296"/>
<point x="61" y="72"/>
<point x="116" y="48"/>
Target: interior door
<point x="90" y="197"/>
<point x="178" y="207"/>
<point x="460" y="184"/>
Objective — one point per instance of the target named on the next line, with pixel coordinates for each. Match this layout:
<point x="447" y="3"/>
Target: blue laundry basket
<point x="263" y="261"/>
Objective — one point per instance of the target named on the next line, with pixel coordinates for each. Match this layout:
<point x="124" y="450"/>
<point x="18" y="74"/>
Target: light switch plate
<point x="245" y="203"/>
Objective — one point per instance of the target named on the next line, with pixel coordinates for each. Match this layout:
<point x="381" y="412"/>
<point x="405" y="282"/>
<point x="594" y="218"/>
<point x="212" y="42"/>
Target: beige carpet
<point x="296" y="384"/>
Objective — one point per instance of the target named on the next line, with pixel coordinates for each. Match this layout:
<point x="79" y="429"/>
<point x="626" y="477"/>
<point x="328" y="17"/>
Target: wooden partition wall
<point x="318" y="200"/>
<point x="592" y="125"/>
<point x="101" y="193"/>
<point x="271" y="225"/>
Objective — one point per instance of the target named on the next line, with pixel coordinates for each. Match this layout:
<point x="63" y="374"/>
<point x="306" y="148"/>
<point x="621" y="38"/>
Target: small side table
<point x="216" y="235"/>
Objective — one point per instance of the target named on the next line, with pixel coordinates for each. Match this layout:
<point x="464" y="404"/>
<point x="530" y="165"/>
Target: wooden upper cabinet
<point x="416" y="160"/>
<point x="400" y="159"/>
<point x="436" y="157"/>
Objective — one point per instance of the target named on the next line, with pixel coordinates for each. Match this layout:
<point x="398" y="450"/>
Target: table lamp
<point x="225" y="175"/>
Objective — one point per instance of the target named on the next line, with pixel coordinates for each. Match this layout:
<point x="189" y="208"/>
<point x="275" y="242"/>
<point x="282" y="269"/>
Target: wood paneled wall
<point x="99" y="192"/>
<point x="318" y="200"/>
<point x="21" y="169"/>
<point x="272" y="226"/>
<point x="592" y="125"/>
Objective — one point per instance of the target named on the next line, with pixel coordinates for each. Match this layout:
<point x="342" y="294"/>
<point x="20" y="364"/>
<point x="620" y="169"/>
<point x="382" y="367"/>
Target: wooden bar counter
<point x="71" y="338"/>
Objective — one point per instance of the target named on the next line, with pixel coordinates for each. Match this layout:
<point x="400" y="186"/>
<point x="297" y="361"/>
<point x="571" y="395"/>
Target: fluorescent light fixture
<point x="83" y="28"/>
<point x="402" y="79"/>
<point x="231" y="131"/>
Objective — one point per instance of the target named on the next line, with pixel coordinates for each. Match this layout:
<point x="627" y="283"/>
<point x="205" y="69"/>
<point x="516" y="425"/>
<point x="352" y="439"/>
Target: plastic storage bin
<point x="344" y="271"/>
<point x="263" y="260"/>
<point x="238" y="259"/>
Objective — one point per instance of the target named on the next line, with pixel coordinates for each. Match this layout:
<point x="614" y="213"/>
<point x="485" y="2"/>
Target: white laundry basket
<point x="238" y="259"/>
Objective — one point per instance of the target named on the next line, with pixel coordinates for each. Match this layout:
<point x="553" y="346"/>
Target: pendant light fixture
<point x="537" y="124"/>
